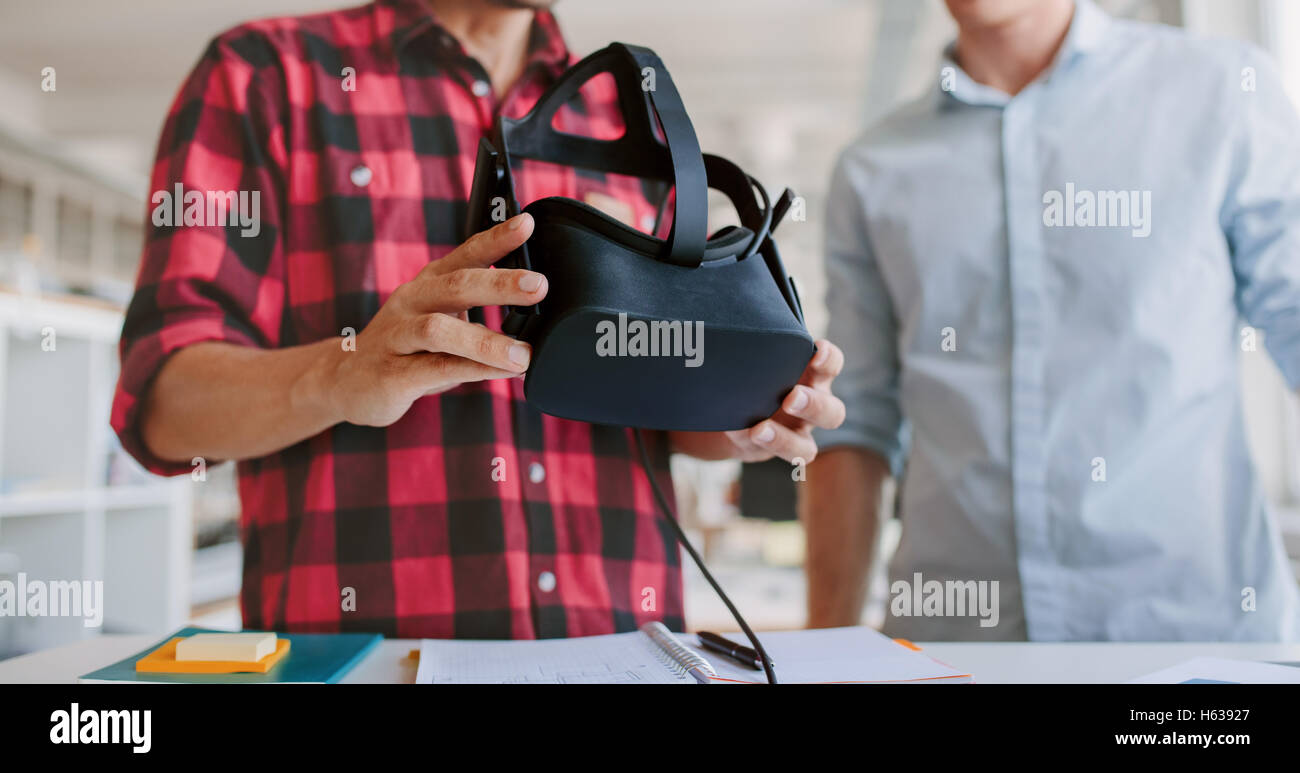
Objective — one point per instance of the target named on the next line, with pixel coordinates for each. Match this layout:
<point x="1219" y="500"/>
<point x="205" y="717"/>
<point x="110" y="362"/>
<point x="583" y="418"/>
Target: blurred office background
<point x="778" y="86"/>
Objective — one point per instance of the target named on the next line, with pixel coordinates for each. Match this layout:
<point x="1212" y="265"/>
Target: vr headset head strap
<point x="645" y="91"/>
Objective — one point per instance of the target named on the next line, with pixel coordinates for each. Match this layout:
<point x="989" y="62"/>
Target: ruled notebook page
<point x="828" y="655"/>
<point x="620" y="658"/>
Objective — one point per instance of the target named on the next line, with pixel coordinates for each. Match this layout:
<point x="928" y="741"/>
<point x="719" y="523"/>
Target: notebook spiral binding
<point x="673" y="654"/>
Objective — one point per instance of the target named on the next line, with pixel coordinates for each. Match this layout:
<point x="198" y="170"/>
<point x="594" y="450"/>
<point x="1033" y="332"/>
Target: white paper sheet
<point x="621" y="658"/>
<point x="856" y="654"/>
<point x="828" y="655"/>
<point x="1222" y="670"/>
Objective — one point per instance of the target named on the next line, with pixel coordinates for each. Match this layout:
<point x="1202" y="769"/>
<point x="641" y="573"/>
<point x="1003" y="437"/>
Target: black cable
<point x="681" y="538"/>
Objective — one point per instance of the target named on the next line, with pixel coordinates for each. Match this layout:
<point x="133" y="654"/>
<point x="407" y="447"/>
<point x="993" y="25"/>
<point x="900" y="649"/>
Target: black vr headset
<point x="687" y="333"/>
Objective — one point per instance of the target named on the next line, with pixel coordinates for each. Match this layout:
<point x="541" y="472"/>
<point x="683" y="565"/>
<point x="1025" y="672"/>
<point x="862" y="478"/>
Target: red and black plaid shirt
<point x="474" y="515"/>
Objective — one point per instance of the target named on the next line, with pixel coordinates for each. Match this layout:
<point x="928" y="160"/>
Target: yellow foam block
<point x="163" y="661"/>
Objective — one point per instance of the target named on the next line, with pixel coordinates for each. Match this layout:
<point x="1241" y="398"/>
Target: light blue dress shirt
<point x="1057" y="382"/>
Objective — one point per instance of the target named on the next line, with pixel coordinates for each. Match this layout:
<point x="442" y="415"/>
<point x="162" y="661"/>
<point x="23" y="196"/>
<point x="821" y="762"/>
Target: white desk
<point x="990" y="663"/>
<point x="1084" y="662"/>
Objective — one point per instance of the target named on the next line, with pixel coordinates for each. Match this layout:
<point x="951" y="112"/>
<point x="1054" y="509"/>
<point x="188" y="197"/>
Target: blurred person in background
<point x="1037" y="274"/>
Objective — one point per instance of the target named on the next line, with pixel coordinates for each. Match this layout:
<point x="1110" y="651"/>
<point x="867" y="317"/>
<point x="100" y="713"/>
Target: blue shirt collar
<point x="1088" y="29"/>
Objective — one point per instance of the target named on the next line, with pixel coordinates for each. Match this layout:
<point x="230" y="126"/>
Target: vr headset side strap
<point x="740" y="188"/>
<point x="489" y="183"/>
<point x="492" y="181"/>
<point x="762" y="219"/>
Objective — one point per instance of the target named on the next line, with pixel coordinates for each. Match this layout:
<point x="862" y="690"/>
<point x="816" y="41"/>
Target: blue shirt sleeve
<point x="1261" y="216"/>
<point x="862" y="324"/>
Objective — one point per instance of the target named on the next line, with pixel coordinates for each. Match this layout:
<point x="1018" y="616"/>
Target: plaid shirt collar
<point x="413" y="19"/>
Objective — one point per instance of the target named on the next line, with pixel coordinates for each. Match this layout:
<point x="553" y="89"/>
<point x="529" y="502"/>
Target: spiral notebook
<point x="655" y="655"/>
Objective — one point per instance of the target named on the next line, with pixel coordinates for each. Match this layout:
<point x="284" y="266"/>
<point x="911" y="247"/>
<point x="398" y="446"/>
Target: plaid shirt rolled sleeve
<point x="202" y="278"/>
<point x="473" y="516"/>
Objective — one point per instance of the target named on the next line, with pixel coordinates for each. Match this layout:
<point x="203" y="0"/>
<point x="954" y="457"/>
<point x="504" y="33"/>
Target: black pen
<point x="737" y="652"/>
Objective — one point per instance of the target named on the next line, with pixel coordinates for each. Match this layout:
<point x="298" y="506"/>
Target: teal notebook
<point x="313" y="658"/>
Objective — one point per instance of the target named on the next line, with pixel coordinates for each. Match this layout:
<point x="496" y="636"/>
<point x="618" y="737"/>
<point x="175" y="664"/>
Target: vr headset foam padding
<point x="683" y="333"/>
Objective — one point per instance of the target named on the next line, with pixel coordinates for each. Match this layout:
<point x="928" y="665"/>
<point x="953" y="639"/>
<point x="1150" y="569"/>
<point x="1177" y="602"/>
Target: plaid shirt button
<point x="546" y="582"/>
<point x="536" y="472"/>
<point x="360" y="175"/>
<point x="481" y="88"/>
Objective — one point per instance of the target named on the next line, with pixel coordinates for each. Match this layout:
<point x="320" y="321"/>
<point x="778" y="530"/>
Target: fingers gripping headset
<point x="603" y="273"/>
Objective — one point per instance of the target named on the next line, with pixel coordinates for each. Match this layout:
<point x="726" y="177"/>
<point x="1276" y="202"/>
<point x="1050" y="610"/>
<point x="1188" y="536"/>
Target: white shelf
<point x="161" y="494"/>
<point x="72" y="316"/>
<point x="58" y="518"/>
